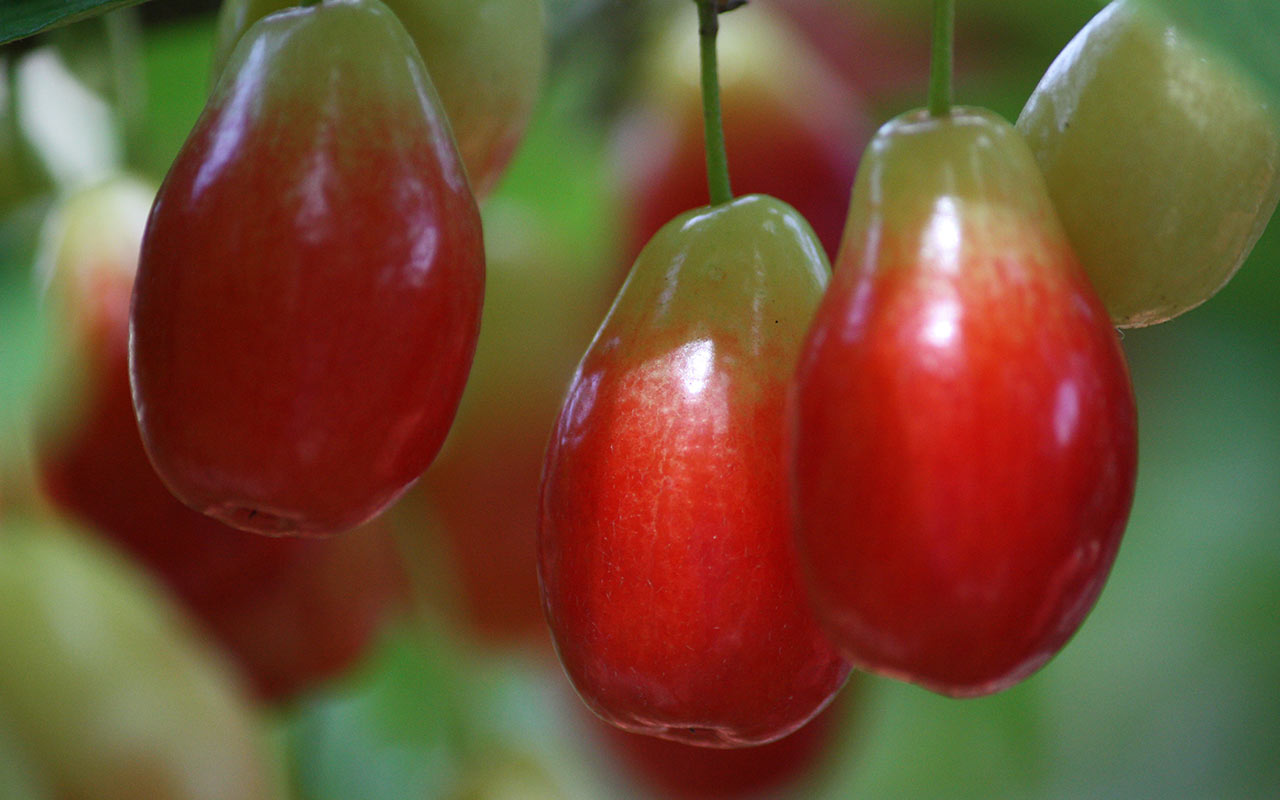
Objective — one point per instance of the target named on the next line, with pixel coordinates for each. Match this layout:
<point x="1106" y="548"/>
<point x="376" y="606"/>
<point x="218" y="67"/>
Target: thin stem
<point x="944" y="25"/>
<point x="713" y="125"/>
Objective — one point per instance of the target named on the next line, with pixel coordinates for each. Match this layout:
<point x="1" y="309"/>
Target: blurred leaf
<point x="22" y="18"/>
<point x="18" y="778"/>
<point x="176" y="73"/>
<point x="389" y="733"/>
<point x="24" y="334"/>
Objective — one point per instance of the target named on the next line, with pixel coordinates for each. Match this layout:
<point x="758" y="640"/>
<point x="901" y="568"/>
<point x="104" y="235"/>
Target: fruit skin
<point x="963" y="443"/>
<point x="290" y="612"/>
<point x="486" y="58"/>
<point x="107" y="689"/>
<point x="308" y="298"/>
<point x="667" y="567"/>
<point x="1162" y="159"/>
<point x="801" y="147"/>
<point x="683" y="772"/>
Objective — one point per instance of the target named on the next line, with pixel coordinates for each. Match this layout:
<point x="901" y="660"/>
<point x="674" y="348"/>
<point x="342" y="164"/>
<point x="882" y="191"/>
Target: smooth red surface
<point x="290" y="612"/>
<point x="684" y="772"/>
<point x="965" y="446"/>
<point x="668" y="572"/>
<point x="308" y="299"/>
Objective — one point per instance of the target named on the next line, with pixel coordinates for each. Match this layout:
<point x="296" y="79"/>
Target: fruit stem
<point x="943" y="58"/>
<point x="713" y="125"/>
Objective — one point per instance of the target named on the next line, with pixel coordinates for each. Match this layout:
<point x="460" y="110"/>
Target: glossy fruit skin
<point x="1162" y="159"/>
<point x="290" y="612"/>
<point x="308" y="298"/>
<point x="682" y="772"/>
<point x="667" y="568"/>
<point x="801" y="147"/>
<point x="486" y="59"/>
<point x="109" y="691"/>
<point x="963" y="439"/>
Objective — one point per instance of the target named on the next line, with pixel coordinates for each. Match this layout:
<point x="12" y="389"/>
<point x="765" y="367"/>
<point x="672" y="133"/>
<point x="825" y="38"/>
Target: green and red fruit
<point x="667" y="565"/>
<point x="308" y="298"/>
<point x="486" y="58"/>
<point x="963" y="442"/>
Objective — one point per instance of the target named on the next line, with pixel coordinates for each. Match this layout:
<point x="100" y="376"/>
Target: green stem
<point x="713" y="126"/>
<point x="940" y="71"/>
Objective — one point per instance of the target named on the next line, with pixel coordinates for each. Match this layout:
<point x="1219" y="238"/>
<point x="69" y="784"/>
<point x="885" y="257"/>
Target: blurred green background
<point x="1170" y="689"/>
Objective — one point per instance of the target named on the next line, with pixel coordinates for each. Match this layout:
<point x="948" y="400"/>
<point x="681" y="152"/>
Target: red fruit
<point x="964" y="439"/>
<point x="665" y="552"/>
<point x="683" y="772"/>
<point x="799" y="146"/>
<point x="291" y="612"/>
<point x="308" y="299"/>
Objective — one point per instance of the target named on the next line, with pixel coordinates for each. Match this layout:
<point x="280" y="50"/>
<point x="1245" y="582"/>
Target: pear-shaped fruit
<point x="106" y="689"/>
<point x="1162" y="159"/>
<point x="308" y="298"/>
<point x="963" y="442"/>
<point x="667" y="566"/>
<point x="486" y="58"/>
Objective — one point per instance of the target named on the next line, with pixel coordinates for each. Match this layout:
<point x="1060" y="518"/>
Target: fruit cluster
<point x="764" y="474"/>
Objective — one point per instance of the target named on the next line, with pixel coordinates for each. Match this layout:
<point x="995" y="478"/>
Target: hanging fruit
<point x="308" y="298"/>
<point x="667" y="565"/>
<point x="964" y="434"/>
<point x="486" y="59"/>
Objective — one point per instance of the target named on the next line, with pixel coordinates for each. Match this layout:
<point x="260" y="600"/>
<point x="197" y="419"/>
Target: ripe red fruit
<point x="801" y="147"/>
<point x="667" y="565"/>
<point x="290" y="612"/>
<point x="683" y="772"/>
<point x="308" y="298"/>
<point x="964" y="426"/>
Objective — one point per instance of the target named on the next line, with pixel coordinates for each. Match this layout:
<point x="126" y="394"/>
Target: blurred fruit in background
<point x="291" y="612"/>
<point x="542" y="304"/>
<point x="794" y="130"/>
<point x="473" y="515"/>
<point x="104" y="691"/>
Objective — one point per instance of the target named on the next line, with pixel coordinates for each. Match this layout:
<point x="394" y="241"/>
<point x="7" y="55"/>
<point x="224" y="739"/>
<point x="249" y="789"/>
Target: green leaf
<point x="22" y="18"/>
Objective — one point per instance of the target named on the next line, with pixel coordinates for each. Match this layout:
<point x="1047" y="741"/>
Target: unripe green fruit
<point x="106" y="691"/>
<point x="1162" y="159"/>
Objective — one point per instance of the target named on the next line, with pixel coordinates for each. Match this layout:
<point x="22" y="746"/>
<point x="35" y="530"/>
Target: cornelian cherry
<point x="665" y="552"/>
<point x="309" y="293"/>
<point x="963" y="445"/>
